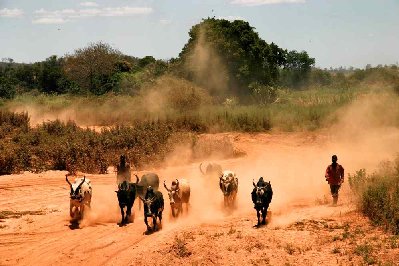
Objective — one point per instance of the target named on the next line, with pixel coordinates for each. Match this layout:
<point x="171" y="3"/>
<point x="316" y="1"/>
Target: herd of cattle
<point x="146" y="189"/>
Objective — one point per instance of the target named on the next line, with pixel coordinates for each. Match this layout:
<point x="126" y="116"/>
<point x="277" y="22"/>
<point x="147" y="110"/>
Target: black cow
<point x="153" y="207"/>
<point x="147" y="180"/>
<point x="126" y="195"/>
<point x="262" y="195"/>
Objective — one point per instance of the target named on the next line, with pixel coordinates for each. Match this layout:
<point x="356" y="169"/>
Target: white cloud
<point x="48" y="21"/>
<point x="64" y="15"/>
<point x="11" y="13"/>
<point x="125" y="11"/>
<point x="89" y="4"/>
<point x="165" y="21"/>
<point x="265" y="2"/>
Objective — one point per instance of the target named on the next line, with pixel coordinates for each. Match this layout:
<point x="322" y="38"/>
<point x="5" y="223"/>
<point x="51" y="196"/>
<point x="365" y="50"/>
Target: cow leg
<point x="71" y="212"/>
<point x="154" y="222"/>
<point x="160" y="218"/>
<point x="264" y="212"/>
<point x="180" y="209"/>
<point x="258" y="215"/>
<point x="146" y="223"/>
<point x="81" y="211"/>
<point x="122" y="214"/>
<point x="128" y="213"/>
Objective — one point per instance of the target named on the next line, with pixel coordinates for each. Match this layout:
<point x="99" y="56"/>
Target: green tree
<point x="7" y="88"/>
<point x="232" y="51"/>
<point x="93" y="68"/>
<point x="51" y="76"/>
<point x="296" y="69"/>
<point x="26" y="75"/>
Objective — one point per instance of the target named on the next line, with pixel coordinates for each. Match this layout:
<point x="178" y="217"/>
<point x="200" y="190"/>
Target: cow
<point x="147" y="180"/>
<point x="178" y="193"/>
<point x="262" y="195"/>
<point x="212" y="169"/>
<point x="80" y="197"/>
<point x="153" y="207"/>
<point x="228" y="183"/>
<point x="126" y="195"/>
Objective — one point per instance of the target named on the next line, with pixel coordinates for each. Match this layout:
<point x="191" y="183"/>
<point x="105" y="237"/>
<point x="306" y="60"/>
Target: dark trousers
<point x="334" y="192"/>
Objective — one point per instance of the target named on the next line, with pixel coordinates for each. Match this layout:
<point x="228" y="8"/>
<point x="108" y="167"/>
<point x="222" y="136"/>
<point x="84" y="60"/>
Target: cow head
<point x="76" y="192"/>
<point x="173" y="192"/>
<point x="123" y="190"/>
<point x="147" y="205"/>
<point x="261" y="192"/>
<point x="226" y="183"/>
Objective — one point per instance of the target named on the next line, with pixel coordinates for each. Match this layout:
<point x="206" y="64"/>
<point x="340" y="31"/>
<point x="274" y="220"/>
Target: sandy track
<point x="300" y="231"/>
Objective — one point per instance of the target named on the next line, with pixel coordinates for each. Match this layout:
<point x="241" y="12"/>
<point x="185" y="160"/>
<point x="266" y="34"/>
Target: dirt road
<point x="304" y="229"/>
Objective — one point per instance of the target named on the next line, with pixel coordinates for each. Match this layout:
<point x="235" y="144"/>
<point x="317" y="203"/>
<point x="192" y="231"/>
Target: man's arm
<point x="327" y="175"/>
<point x="342" y="174"/>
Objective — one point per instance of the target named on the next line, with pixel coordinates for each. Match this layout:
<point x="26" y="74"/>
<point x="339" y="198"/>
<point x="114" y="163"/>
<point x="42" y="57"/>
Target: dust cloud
<point x="364" y="134"/>
<point x="206" y="66"/>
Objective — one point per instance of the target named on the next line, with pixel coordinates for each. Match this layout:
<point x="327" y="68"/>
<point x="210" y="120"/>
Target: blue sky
<point x="335" y="32"/>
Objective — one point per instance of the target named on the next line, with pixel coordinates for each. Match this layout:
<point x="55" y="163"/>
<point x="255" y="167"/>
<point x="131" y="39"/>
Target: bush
<point x="263" y="94"/>
<point x="7" y="88"/>
<point x="378" y="194"/>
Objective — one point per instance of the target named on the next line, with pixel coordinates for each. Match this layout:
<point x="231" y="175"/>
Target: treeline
<point x="248" y="62"/>
<point x="94" y="70"/>
<point x="227" y="59"/>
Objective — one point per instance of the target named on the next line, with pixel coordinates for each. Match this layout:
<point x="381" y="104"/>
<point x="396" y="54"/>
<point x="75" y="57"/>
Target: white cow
<point x="80" y="197"/>
<point x="178" y="193"/>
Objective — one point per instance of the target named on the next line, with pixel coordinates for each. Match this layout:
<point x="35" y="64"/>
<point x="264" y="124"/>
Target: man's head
<point x="334" y="159"/>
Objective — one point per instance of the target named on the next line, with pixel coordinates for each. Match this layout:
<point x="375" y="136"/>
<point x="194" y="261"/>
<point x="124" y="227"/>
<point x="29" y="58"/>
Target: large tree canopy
<point x="243" y="56"/>
<point x="232" y="53"/>
<point x="93" y="67"/>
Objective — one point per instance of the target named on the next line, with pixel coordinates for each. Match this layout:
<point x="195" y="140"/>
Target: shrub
<point x="378" y="195"/>
<point x="263" y="94"/>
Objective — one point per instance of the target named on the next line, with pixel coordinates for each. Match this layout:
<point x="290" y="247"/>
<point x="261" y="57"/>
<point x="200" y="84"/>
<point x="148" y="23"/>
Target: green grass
<point x="293" y="110"/>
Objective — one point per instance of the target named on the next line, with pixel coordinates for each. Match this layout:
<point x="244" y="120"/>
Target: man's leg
<point x="334" y="192"/>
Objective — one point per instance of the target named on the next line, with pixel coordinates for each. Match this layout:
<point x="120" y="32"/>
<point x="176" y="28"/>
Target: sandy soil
<point x="304" y="228"/>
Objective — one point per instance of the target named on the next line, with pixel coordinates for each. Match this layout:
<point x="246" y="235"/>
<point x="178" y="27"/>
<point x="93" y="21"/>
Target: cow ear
<point x="116" y="191"/>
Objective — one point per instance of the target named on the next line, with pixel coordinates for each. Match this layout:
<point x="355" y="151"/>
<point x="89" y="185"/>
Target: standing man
<point x="335" y="177"/>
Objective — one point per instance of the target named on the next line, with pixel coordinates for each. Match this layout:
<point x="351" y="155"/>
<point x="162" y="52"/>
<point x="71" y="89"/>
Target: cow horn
<point x="137" y="177"/>
<point x="66" y="178"/>
<point x="84" y="179"/>
<point x="164" y="184"/>
<point x="202" y="172"/>
<point x="253" y="182"/>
